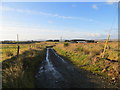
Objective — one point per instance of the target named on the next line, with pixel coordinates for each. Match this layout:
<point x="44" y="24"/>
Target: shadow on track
<point x="55" y="72"/>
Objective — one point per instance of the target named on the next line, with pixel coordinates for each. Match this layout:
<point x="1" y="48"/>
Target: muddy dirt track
<point x="55" y="72"/>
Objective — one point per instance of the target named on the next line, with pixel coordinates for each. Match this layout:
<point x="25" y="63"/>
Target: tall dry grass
<point x="20" y="72"/>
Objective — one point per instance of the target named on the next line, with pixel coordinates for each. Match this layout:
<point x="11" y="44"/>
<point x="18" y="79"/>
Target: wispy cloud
<point x="4" y="8"/>
<point x="94" y="6"/>
<point x="73" y="5"/>
<point x="50" y="22"/>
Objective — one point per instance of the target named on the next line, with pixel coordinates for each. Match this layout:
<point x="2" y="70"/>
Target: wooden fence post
<point x="106" y="43"/>
<point x="18" y="49"/>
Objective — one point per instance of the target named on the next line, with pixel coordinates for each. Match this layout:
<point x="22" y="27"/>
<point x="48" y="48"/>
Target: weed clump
<point x="66" y="44"/>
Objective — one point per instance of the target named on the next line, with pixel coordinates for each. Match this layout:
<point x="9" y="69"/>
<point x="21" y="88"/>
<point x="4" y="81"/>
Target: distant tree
<point x="56" y="40"/>
<point x="67" y="40"/>
<point x="49" y="40"/>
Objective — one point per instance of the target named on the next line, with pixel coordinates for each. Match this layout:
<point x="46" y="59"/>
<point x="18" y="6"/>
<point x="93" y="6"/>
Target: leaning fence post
<point x="106" y="43"/>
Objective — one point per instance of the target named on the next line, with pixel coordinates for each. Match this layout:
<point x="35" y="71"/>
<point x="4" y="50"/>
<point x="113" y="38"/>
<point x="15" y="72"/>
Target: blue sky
<point x="51" y="20"/>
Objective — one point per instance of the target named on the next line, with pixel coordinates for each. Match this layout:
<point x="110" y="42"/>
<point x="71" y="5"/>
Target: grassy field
<point x="9" y="50"/>
<point x="19" y="72"/>
<point x="88" y="56"/>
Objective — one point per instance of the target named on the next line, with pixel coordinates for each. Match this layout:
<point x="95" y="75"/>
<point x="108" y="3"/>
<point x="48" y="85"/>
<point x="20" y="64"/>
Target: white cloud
<point x="33" y="33"/>
<point x="27" y="33"/>
<point x="94" y="6"/>
<point x="110" y="2"/>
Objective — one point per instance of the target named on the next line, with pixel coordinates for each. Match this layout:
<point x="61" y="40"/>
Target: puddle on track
<point x="48" y="76"/>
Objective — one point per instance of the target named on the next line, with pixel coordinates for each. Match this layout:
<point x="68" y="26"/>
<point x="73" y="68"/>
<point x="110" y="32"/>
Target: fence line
<point x="9" y="50"/>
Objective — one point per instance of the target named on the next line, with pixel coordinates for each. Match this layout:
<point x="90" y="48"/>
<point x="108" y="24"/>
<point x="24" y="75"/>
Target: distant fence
<point x="9" y="50"/>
